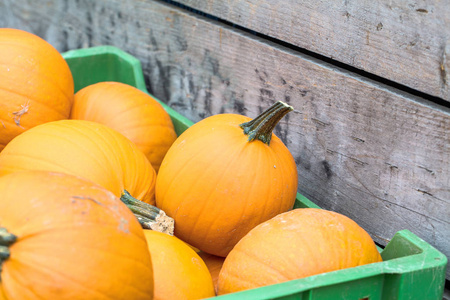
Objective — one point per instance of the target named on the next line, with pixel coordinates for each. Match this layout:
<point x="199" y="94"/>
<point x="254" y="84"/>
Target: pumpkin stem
<point x="6" y="239"/>
<point x="149" y="216"/>
<point x="261" y="127"/>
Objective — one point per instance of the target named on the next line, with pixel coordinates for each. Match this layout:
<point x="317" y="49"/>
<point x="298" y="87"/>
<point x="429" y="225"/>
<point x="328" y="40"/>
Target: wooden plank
<point x="405" y="41"/>
<point x="375" y="154"/>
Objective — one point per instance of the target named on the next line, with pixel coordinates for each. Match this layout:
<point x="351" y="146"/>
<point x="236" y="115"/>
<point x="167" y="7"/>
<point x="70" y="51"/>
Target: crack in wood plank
<point x="358" y="161"/>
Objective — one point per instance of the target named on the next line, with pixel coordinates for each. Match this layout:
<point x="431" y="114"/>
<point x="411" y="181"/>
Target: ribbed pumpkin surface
<point x="86" y="149"/>
<point x="75" y="240"/>
<point x="36" y="84"/>
<point x="296" y="244"/>
<point x="217" y="185"/>
<point x="130" y="111"/>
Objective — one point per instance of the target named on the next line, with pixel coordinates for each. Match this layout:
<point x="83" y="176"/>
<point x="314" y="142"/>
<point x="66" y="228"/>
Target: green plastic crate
<point x="411" y="268"/>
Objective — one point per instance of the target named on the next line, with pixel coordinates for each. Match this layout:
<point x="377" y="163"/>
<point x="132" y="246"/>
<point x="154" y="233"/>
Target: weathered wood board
<point x="404" y="41"/>
<point x="373" y="153"/>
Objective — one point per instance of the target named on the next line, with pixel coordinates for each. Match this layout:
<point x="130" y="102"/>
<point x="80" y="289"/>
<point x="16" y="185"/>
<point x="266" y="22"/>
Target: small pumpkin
<point x="296" y="244"/>
<point x="64" y="237"/>
<point x="36" y="84"/>
<point x="214" y="264"/>
<point x="223" y="176"/>
<point x="93" y="151"/>
<point x="179" y="271"/>
<point x="130" y="111"/>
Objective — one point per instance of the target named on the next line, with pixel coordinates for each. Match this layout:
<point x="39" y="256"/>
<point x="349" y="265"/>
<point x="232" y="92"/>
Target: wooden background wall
<point x="369" y="81"/>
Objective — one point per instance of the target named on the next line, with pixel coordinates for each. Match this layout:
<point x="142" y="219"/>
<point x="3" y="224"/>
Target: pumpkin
<point x="93" y="151"/>
<point x="296" y="244"/>
<point x="36" y="84"/>
<point x="179" y="271"/>
<point x="64" y="237"/>
<point x="223" y="176"/>
<point x="130" y="111"/>
<point x="214" y="264"/>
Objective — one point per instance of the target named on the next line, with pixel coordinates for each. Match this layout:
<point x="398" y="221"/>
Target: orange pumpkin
<point x="90" y="150"/>
<point x="296" y="244"/>
<point x="130" y="111"/>
<point x="63" y="237"/>
<point x="214" y="264"/>
<point x="179" y="271"/>
<point x="36" y="84"/>
<point x="223" y="176"/>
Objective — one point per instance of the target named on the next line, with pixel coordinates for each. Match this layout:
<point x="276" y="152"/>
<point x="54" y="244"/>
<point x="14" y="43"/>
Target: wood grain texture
<point x="375" y="154"/>
<point x="402" y="40"/>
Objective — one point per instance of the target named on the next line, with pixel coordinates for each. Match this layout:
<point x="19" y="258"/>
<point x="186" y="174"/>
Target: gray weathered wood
<point x="405" y="41"/>
<point x="375" y="154"/>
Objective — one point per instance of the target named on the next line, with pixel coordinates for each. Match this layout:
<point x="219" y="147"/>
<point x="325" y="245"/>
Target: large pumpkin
<point x="179" y="271"/>
<point x="223" y="176"/>
<point x="63" y="237"/>
<point x="86" y="149"/>
<point x="130" y="111"/>
<point x="36" y="84"/>
<point x="296" y="244"/>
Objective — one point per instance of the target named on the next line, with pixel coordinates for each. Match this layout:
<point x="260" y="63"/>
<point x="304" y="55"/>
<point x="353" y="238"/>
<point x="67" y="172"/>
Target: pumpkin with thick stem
<point x="223" y="176"/>
<point x="296" y="244"/>
<point x="64" y="237"/>
<point x="93" y="151"/>
<point x="130" y="111"/>
<point x="36" y="84"/>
